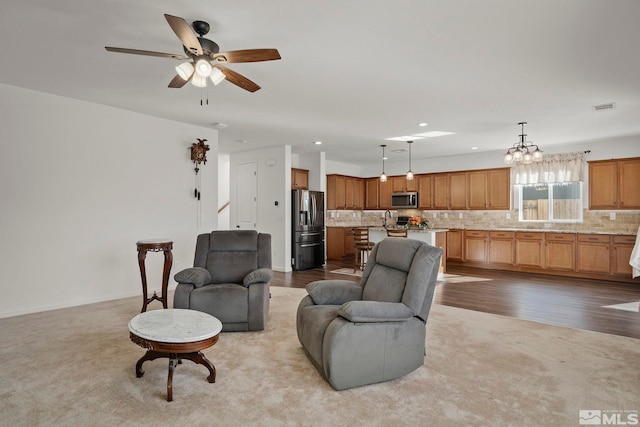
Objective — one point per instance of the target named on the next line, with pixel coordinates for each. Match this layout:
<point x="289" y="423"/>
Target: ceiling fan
<point x="204" y="58"/>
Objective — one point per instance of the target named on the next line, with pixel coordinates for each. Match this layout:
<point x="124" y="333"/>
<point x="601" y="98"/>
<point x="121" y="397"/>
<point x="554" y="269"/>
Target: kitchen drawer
<point x="624" y="239"/>
<point x="501" y="234"/>
<point x="594" y="238"/>
<point x="528" y="236"/>
<point x="473" y="233"/>
<point x="560" y="237"/>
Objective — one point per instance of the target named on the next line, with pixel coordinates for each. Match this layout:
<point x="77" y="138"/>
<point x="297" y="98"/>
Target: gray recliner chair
<point x="229" y="279"/>
<point x="359" y="334"/>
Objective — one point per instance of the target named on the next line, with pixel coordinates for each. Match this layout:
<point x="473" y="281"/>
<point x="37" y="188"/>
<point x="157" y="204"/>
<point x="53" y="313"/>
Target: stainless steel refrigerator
<point x="307" y="220"/>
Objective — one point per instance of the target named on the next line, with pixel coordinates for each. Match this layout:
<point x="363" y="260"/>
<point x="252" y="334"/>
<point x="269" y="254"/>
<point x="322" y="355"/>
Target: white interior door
<point x="246" y="191"/>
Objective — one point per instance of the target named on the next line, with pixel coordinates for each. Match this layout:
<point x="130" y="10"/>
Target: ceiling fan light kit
<point x="204" y="57"/>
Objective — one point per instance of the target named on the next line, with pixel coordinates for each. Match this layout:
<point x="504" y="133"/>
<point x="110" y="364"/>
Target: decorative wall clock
<point x="199" y="152"/>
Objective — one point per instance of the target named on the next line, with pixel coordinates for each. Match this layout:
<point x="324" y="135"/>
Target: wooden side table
<point x="155" y="245"/>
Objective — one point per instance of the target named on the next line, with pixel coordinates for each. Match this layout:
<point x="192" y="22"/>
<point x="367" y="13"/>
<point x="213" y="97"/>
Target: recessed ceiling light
<point x="405" y="138"/>
<point x="400" y="150"/>
<point x="433" y="134"/>
<point x="241" y="141"/>
<point x="317" y="142"/>
<point x="423" y="124"/>
<point x="474" y="148"/>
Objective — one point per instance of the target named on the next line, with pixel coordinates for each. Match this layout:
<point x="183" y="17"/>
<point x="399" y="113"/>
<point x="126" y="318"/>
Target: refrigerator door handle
<point x="311" y="244"/>
<point x="312" y="206"/>
<point x="312" y="234"/>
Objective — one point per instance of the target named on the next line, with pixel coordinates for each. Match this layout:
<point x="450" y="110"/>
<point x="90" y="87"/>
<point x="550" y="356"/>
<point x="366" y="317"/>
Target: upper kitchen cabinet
<point x="400" y="184"/>
<point x="425" y="197"/>
<point x="371" y="193"/>
<point x="299" y="179"/>
<point x="344" y="192"/>
<point x="440" y="191"/>
<point x="613" y="184"/>
<point x="489" y="189"/>
<point x="384" y="194"/>
<point x="458" y="190"/>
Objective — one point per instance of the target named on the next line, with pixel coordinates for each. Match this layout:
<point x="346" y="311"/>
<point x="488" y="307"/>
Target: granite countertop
<point x="525" y="230"/>
<point x="415" y="230"/>
<point x="549" y="230"/>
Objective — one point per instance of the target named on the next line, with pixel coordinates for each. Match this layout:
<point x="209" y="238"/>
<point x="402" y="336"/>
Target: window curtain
<point x="563" y="167"/>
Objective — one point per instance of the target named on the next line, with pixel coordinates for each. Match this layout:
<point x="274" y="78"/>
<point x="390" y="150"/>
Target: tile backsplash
<point x="625" y="222"/>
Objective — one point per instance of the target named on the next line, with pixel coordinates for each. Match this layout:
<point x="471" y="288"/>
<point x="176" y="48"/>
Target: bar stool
<point x="397" y="232"/>
<point x="362" y="247"/>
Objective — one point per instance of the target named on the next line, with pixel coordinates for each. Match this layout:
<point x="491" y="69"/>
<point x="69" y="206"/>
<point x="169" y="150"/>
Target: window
<point x="551" y="191"/>
<point x="551" y="202"/>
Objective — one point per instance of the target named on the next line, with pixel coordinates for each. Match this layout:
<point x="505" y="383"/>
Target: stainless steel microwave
<point x="404" y="200"/>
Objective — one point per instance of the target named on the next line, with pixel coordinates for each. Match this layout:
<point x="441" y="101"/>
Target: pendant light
<point x="383" y="176"/>
<point x="409" y="172"/>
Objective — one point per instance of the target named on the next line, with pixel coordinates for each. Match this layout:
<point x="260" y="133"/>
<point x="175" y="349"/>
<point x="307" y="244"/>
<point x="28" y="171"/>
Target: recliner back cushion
<point x="228" y="255"/>
<point x="385" y="284"/>
<point x="386" y="279"/>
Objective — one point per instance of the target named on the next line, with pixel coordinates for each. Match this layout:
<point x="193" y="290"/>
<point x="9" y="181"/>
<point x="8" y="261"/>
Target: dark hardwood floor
<point x="574" y="303"/>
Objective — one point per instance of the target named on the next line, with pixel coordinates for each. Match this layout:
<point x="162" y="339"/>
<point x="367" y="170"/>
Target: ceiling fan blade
<point x="145" y="52"/>
<point x="184" y="33"/>
<point x="238" y="79"/>
<point x="247" y="55"/>
<point x="177" y="82"/>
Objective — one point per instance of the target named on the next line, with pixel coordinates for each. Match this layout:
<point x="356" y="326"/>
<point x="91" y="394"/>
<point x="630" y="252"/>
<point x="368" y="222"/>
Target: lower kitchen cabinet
<point x="501" y="247"/>
<point x="622" y="248"/>
<point x="593" y="256"/>
<point x="339" y="243"/>
<point x="529" y="249"/>
<point x="559" y="251"/>
<point x="593" y="253"/>
<point x="454" y="245"/>
<point x="475" y="246"/>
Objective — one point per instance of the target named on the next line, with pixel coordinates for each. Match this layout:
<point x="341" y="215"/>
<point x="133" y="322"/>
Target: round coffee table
<point x="176" y="334"/>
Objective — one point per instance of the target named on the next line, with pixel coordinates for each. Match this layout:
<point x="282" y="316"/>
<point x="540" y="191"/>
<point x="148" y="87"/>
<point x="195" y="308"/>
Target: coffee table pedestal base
<point x="174" y="360"/>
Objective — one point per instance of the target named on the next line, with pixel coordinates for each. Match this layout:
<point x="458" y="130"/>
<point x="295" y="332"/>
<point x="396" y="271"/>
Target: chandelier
<point x="523" y="151"/>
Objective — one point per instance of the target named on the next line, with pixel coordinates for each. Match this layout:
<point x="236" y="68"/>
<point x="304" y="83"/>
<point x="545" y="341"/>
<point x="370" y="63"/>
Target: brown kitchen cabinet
<point x="475" y="246"/>
<point x="593" y="253"/>
<point x="371" y="193"/>
<point x="622" y="248"/>
<point x="613" y="184"/>
<point x="339" y="243"/>
<point x="384" y="194"/>
<point x="501" y="247"/>
<point x="559" y="251"/>
<point x="299" y="179"/>
<point x="400" y="184"/>
<point x="528" y="252"/>
<point x="489" y="189"/>
<point x="458" y="190"/>
<point x="425" y="199"/>
<point x="454" y="245"/>
<point x="440" y="191"/>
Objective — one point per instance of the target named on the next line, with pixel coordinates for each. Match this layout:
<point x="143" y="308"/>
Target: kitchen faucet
<point x="385" y="217"/>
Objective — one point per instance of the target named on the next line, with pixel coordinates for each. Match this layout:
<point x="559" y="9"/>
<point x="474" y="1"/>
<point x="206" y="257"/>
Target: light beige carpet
<point x="75" y="367"/>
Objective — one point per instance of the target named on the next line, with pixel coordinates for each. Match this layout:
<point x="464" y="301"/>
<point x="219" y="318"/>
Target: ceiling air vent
<point x="603" y="107"/>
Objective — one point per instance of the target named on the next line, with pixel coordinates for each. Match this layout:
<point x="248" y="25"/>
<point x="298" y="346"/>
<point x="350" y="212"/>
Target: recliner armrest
<point x="197" y="276"/>
<point x="375" y="311"/>
<point x="261" y="275"/>
<point x="334" y="292"/>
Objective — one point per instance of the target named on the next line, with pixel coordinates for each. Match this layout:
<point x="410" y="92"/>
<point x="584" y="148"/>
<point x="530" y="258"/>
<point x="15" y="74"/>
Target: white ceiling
<point x="353" y="72"/>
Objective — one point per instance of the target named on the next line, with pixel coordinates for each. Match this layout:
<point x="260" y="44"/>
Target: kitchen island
<point x="433" y="236"/>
